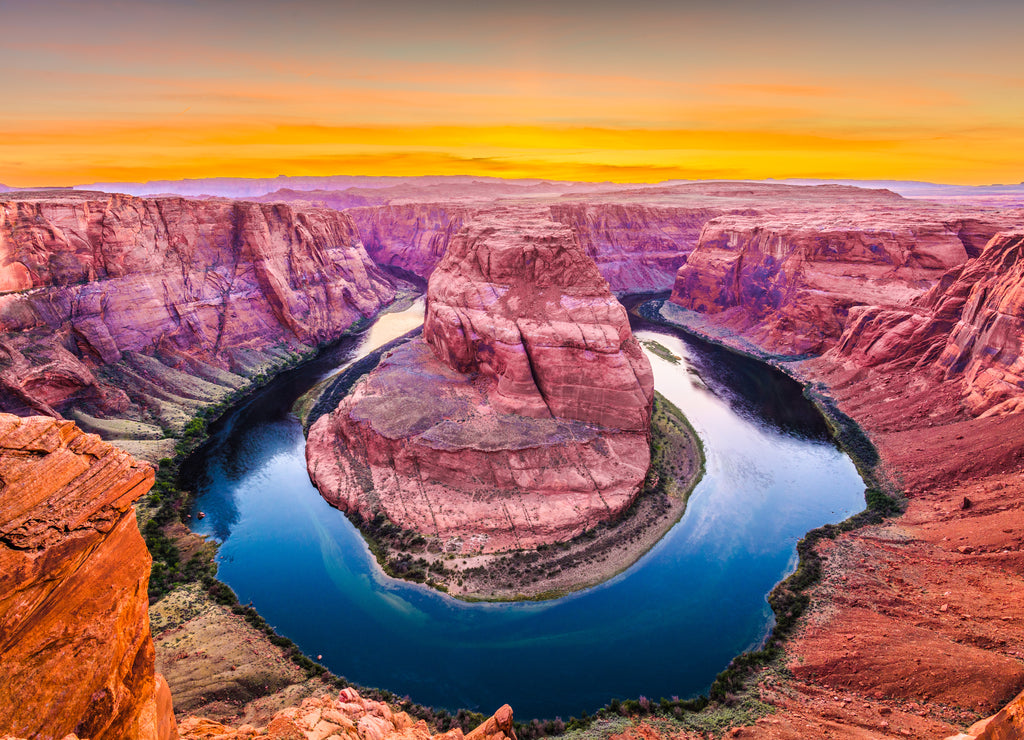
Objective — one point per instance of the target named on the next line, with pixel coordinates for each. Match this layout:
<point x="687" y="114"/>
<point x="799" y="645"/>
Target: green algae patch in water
<point x="662" y="351"/>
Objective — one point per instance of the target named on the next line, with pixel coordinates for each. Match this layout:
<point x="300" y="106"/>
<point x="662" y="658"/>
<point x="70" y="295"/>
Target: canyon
<point x="119" y="310"/>
<point x="788" y="281"/>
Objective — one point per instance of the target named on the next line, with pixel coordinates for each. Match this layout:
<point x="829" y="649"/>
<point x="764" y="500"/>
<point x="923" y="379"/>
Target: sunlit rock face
<point x="968" y="328"/>
<point x="76" y="653"/>
<point x="522" y="416"/>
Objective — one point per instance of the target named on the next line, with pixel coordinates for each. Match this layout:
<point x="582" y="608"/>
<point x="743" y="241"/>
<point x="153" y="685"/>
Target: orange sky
<point x="640" y="91"/>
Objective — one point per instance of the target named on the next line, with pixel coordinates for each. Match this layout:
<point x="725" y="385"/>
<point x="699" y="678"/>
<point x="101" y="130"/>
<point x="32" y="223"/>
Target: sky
<point x="628" y="91"/>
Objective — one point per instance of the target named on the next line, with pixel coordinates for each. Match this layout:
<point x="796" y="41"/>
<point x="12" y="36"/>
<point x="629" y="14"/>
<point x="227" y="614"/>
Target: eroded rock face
<point x="348" y="717"/>
<point x="636" y="247"/>
<point x="412" y="236"/>
<point x="968" y="328"/>
<point x="788" y="282"/>
<point x="97" y="276"/>
<point x="75" y="648"/>
<point x="522" y="419"/>
<point x="517" y="300"/>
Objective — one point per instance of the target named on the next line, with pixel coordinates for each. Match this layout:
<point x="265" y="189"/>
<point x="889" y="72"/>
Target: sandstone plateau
<point x="172" y="300"/>
<point x="522" y="416"/>
<point x="638" y="237"/>
<point x="76" y="650"/>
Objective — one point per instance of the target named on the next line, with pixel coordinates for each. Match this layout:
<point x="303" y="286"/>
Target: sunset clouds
<point x="572" y="90"/>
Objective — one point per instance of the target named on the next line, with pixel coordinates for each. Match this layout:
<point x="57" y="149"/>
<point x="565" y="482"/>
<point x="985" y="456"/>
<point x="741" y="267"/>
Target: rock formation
<point x="788" y="281"/>
<point x="637" y="247"/>
<point x="1006" y="724"/>
<point x="94" y="279"/>
<point x="349" y="717"/>
<point x="638" y="236"/>
<point x="522" y="419"/>
<point x="411" y="236"/>
<point x="912" y="629"/>
<point x="75" y="648"/>
<point x="968" y="328"/>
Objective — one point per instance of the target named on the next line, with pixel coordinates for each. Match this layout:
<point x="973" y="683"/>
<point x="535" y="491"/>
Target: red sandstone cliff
<point x="636" y="247"/>
<point x="788" y="282"/>
<point x="968" y="328"/>
<point x="638" y="236"/>
<point x="412" y="236"/>
<point x="523" y="418"/>
<point x="75" y="648"/>
<point x="517" y="300"/>
<point x="913" y="629"/>
<point x="94" y="278"/>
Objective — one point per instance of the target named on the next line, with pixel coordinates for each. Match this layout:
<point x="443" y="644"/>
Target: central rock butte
<point x="522" y="416"/>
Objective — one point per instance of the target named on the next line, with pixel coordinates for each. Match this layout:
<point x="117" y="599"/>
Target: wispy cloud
<point x="657" y="88"/>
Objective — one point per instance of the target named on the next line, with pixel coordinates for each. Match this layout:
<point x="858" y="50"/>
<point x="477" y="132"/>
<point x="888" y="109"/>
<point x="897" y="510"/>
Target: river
<point x="665" y="627"/>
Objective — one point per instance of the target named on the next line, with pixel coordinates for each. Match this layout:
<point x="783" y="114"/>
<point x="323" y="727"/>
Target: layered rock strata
<point x="967" y="328"/>
<point x="347" y="717"/>
<point x="75" y="648"/>
<point x="522" y="416"/>
<point x="412" y="236"/>
<point x="636" y="247"/>
<point x="912" y="630"/>
<point x="212" y="288"/>
<point x="788" y="282"/>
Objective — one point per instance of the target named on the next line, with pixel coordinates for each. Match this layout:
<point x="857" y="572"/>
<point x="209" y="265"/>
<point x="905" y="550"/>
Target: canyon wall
<point x="968" y="328"/>
<point x="412" y="236"/>
<point x="636" y="247"/>
<point x="788" y="281"/>
<point x="95" y="284"/>
<point x="521" y="419"/>
<point x="76" y="653"/>
<point x="911" y="630"/>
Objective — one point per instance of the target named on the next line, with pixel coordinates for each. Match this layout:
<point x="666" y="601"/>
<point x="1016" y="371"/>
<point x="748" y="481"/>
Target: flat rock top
<point x="412" y="394"/>
<point x="511" y="247"/>
<point x="55" y="479"/>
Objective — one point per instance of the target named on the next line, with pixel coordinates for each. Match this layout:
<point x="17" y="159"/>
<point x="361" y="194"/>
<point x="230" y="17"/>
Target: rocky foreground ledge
<point x="521" y="419"/>
<point x="347" y="717"/>
<point x="76" y="653"/>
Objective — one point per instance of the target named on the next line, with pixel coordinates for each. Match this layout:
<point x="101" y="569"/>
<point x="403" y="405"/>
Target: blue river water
<point x="664" y="627"/>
